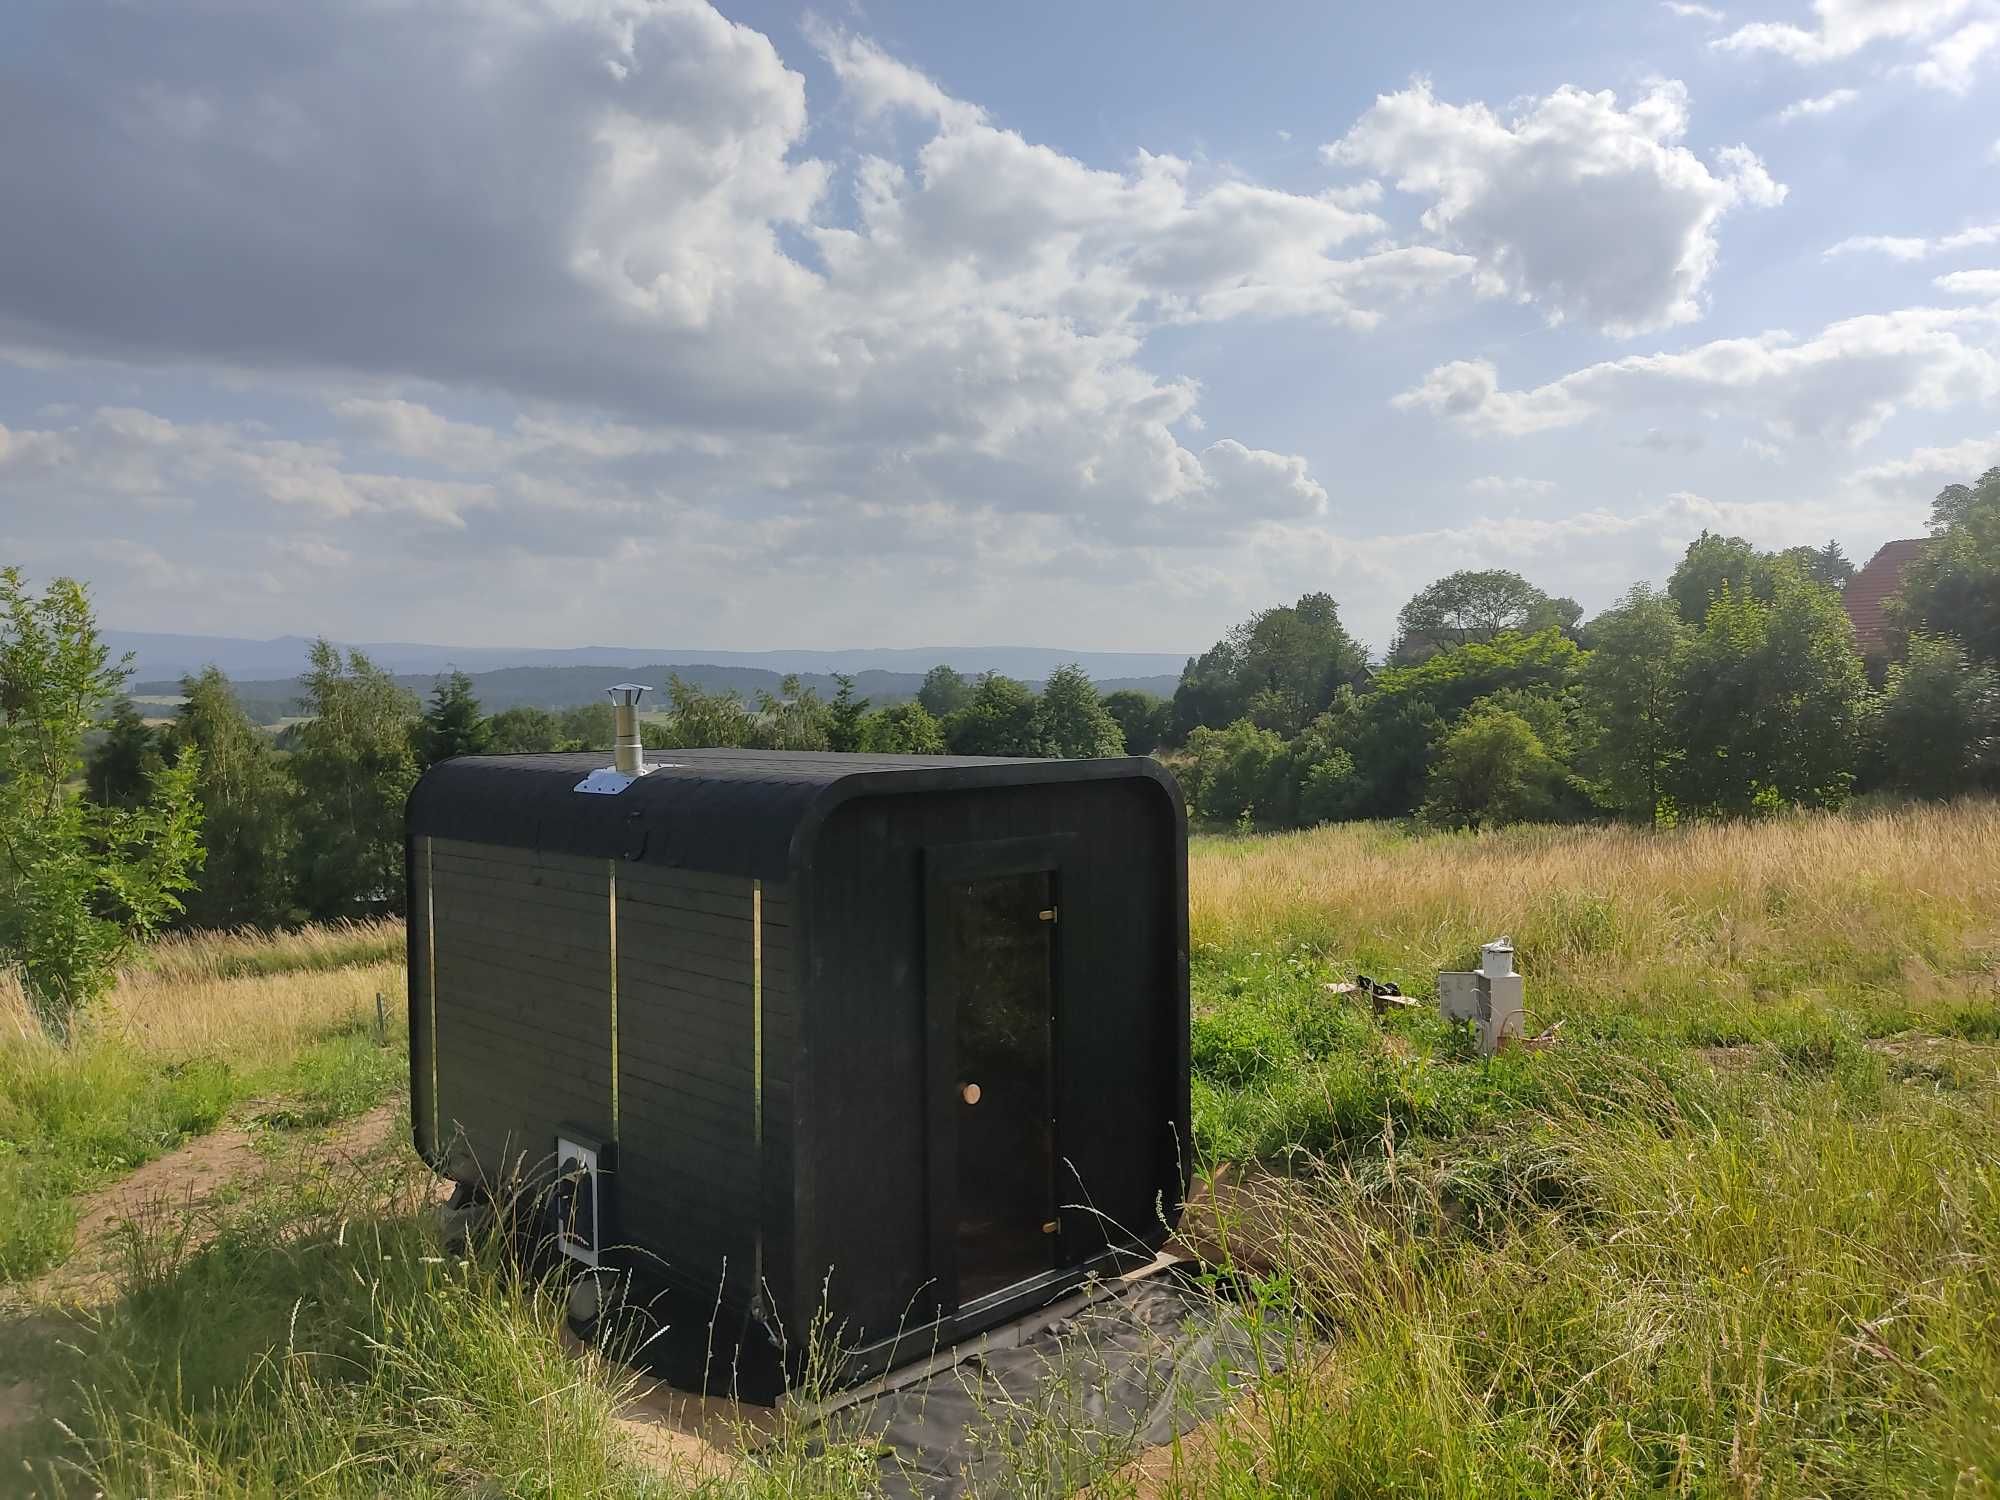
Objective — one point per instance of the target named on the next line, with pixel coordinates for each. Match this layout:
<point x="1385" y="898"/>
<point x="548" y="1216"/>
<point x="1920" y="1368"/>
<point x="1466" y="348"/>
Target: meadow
<point x="1729" y="1226"/>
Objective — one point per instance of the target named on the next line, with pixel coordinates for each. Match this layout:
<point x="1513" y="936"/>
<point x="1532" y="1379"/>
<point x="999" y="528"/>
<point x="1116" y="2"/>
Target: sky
<point x="650" y="322"/>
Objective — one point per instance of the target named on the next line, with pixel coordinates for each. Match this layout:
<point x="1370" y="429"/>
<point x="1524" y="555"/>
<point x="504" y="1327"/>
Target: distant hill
<point x="162" y="658"/>
<point x="268" y="700"/>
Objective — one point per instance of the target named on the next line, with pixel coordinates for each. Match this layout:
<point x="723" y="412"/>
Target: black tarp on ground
<point x="1129" y="1372"/>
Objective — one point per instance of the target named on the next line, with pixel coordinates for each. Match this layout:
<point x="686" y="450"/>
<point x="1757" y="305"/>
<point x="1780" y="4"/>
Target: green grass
<point x="321" y="1344"/>
<point x="1786" y="1292"/>
<point x="345" y="1072"/>
<point x="69" y="1121"/>
<point x="1734" y="1231"/>
<point x="77" y="1117"/>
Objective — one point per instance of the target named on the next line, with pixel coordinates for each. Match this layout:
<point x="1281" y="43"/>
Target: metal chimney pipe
<point x="628" y="756"/>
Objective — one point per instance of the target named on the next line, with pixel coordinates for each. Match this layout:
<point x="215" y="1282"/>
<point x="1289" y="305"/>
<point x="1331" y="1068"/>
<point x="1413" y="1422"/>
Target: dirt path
<point x="180" y="1184"/>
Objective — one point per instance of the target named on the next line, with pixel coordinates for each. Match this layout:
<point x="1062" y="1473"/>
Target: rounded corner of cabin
<point x="422" y="790"/>
<point x="1157" y="773"/>
<point x="826" y="801"/>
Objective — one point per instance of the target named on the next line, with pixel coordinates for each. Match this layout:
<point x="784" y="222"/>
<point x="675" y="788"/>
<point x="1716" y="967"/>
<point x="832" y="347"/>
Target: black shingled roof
<point x="732" y="812"/>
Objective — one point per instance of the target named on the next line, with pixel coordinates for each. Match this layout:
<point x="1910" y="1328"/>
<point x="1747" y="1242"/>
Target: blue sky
<point x="641" y="321"/>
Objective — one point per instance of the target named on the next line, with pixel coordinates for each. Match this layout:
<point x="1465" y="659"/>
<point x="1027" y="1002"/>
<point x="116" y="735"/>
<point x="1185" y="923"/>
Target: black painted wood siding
<point x="521" y="968"/>
<point x="691" y="1187"/>
<point x="516" y="947"/>
<point x="1120" y="1043"/>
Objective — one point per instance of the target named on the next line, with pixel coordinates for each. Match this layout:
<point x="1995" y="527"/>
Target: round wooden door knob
<point x="969" y="1092"/>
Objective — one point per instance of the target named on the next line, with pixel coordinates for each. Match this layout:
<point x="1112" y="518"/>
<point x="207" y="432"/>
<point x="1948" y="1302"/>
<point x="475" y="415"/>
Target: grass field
<point x="1733" y="1230"/>
<point x="200" y="1029"/>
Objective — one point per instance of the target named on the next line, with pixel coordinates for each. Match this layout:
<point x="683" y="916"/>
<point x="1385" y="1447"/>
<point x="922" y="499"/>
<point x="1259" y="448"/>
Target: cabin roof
<point x="732" y="812"/>
<point x="1870" y="589"/>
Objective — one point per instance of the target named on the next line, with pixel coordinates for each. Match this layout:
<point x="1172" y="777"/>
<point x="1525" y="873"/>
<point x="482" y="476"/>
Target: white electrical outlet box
<point x="578" y="1200"/>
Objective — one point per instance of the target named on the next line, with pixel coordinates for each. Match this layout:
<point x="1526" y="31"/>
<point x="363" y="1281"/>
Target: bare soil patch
<point x="176" y="1186"/>
<point x="20" y="1406"/>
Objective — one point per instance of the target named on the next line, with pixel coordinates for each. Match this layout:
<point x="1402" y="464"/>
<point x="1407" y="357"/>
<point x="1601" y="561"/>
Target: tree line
<point x="308" y="824"/>
<point x="1735" y="690"/>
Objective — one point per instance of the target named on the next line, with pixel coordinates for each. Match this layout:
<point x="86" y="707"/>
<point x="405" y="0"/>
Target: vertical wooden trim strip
<point x="611" y="865"/>
<point x="757" y="1085"/>
<point x="431" y="986"/>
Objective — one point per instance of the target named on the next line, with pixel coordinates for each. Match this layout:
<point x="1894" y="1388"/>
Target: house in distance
<point x="896" y="1042"/>
<point x="1868" y="592"/>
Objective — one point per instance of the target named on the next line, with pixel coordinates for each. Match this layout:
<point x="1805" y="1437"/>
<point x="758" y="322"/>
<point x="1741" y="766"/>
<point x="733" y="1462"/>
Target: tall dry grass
<point x="198" y="1027"/>
<point x="1904" y="901"/>
<point x="243" y="994"/>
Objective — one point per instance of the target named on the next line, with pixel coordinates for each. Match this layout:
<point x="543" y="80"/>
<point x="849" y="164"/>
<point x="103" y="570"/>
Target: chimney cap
<point x="624" y="693"/>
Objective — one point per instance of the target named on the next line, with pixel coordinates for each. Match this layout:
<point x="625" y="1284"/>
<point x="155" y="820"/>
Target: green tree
<point x="1070" y="719"/>
<point x="452" y="724"/>
<point x="354" y="769"/>
<point x="1210" y="692"/>
<point x="524" y="731"/>
<point x="1325" y="786"/>
<point x="1388" y="737"/>
<point x="1475" y="605"/>
<point x="1954" y="588"/>
<point x="1630" y="683"/>
<point x="248" y="809"/>
<point x="1770" y="703"/>
<point x="120" y="770"/>
<point x="1827" y="566"/>
<point x="79" y="882"/>
<point x="1328" y="789"/>
<point x="792" y="719"/>
<point x="1281" y="666"/>
<point x="1452" y="679"/>
<point x="1938" y="728"/>
<point x="1491" y="769"/>
<point x="944" y="692"/>
<point x="588" y="726"/>
<point x="1236" y="774"/>
<point x="696" y="719"/>
<point x="1392" y="733"/>
<point x="845" y="716"/>
<point x="1143" y="719"/>
<point x="1714" y="565"/>
<point x="902" y="729"/>
<point x="1000" y="720"/>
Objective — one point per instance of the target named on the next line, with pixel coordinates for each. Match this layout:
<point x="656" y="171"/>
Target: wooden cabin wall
<point x="1120" y="1045"/>
<point x="693" y="1185"/>
<point x="519" y="945"/>
<point x="511" y="954"/>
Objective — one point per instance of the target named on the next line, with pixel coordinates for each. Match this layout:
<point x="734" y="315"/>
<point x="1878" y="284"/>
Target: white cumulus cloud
<point x="1917" y="247"/>
<point x="1843" y="27"/>
<point x="1843" y="383"/>
<point x="614" y="215"/>
<point x="1953" y="61"/>
<point x="1823" y="104"/>
<point x="1980" y="283"/>
<point x="1932" y="468"/>
<point x="1593" y="210"/>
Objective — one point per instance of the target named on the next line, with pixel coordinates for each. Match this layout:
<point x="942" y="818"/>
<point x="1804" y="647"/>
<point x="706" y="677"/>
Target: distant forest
<point x="272" y="701"/>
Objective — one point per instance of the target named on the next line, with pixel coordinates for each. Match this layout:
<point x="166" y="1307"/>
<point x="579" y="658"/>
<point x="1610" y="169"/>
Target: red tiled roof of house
<point x="1868" y="590"/>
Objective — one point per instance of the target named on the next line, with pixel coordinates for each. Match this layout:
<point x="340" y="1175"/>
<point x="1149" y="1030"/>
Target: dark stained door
<point x="998" y="937"/>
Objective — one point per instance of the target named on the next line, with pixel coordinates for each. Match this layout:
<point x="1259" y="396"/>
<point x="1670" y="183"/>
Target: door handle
<point x="969" y="1092"/>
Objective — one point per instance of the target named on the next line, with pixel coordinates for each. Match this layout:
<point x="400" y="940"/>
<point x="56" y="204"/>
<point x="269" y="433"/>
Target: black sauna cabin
<point x="897" y="1040"/>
